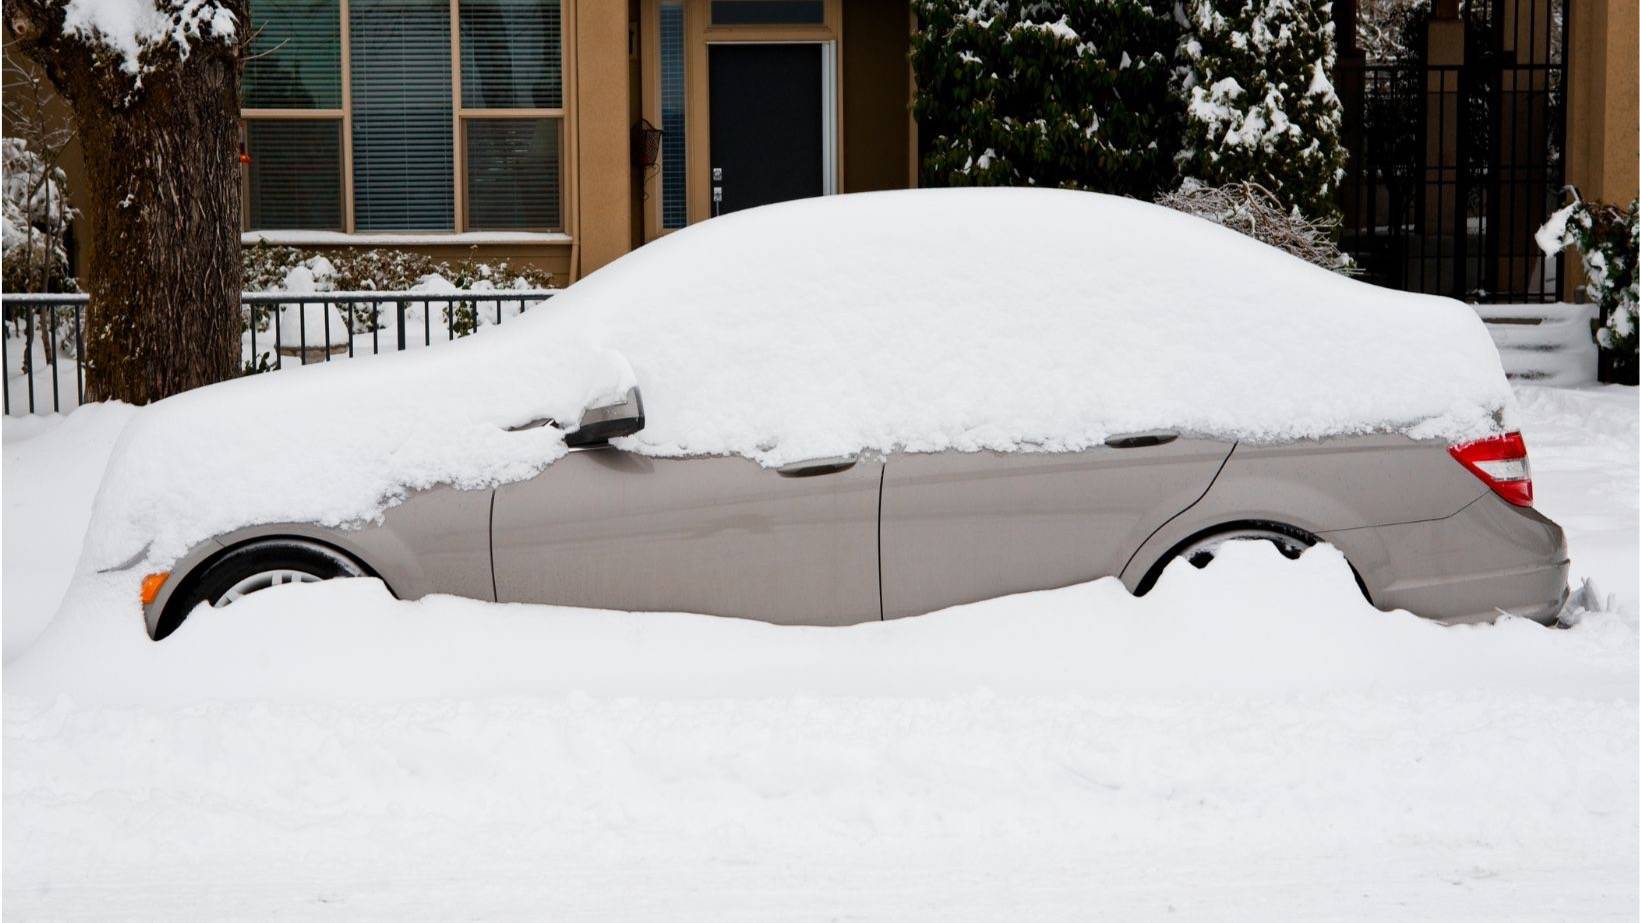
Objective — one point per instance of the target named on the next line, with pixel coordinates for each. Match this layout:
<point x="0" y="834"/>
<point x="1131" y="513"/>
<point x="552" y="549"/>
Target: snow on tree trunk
<point x="157" y="115"/>
<point x="1259" y="100"/>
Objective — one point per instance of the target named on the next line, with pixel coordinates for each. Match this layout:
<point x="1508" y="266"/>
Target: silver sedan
<point x="1446" y="531"/>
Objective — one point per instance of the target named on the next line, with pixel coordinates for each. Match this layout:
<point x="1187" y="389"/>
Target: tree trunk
<point x="165" y="269"/>
<point x="163" y="169"/>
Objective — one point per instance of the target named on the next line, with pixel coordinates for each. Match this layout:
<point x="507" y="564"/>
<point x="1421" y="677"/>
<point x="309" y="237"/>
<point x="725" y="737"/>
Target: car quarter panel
<point x="1489" y="556"/>
<point x="1320" y="486"/>
<point x="964" y="526"/>
<point x="719" y="535"/>
<point x="435" y="541"/>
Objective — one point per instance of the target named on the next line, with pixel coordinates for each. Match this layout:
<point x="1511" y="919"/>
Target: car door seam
<point x="1185" y="509"/>
<point x="882" y="476"/>
<point x="495" y="594"/>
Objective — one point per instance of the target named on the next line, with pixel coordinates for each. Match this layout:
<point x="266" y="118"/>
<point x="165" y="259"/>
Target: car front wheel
<point x="255" y="567"/>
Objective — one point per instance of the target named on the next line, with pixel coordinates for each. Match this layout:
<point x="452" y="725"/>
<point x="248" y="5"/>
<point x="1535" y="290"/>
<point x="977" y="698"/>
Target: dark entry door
<point x="768" y="130"/>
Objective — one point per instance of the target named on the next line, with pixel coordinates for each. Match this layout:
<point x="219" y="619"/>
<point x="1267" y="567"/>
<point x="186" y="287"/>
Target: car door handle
<point x="1139" y="440"/>
<point x="817" y="466"/>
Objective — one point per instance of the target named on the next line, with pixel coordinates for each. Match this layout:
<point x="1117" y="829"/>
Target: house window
<point x="293" y="116"/>
<point x="674" y="162"/>
<point x="768" y="12"/>
<point x="403" y="151"/>
<point x="294" y="179"/>
<point x="437" y="128"/>
<point x="512" y="99"/>
<point x="296" y="57"/>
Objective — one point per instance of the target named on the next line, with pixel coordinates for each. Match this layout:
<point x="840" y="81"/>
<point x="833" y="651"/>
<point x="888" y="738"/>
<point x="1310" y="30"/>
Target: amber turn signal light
<point x="151" y="586"/>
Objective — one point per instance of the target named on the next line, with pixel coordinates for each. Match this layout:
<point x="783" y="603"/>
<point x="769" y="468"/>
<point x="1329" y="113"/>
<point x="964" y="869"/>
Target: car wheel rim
<point x="1202" y="553"/>
<point x="263" y="580"/>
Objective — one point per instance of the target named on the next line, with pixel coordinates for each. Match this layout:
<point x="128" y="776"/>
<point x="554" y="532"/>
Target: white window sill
<point x="339" y="238"/>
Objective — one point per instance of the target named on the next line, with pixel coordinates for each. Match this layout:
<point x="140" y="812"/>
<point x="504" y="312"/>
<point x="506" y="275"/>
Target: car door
<point x="722" y="535"/>
<point x="963" y="526"/>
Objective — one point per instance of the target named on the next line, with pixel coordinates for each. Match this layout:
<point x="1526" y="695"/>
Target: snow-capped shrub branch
<point x="1607" y="237"/>
<point x="35" y="220"/>
<point x="1255" y="211"/>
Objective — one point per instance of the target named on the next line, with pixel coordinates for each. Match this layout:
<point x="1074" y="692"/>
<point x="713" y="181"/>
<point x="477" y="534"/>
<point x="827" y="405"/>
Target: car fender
<point x="1318" y="486"/>
<point x="435" y="541"/>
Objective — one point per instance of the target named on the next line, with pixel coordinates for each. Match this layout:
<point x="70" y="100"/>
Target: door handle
<point x="817" y="466"/>
<point x="1140" y="440"/>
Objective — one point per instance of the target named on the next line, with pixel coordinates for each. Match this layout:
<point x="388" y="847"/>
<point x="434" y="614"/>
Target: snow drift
<point x="903" y="321"/>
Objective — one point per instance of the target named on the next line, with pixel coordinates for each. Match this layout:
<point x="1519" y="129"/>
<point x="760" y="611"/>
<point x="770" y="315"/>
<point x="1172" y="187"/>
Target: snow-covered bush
<point x="1256" y="212"/>
<point x="1608" y="239"/>
<point x="1072" y="93"/>
<point x="36" y="217"/>
<point x="1259" y="101"/>
<point x="270" y="268"/>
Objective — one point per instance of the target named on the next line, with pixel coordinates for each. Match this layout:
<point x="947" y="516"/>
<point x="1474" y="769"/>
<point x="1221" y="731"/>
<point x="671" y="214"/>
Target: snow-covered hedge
<point x="1130" y="96"/>
<point x="1069" y="94"/>
<point x="922" y="320"/>
<point x="1260" y="106"/>
<point x="270" y="268"/>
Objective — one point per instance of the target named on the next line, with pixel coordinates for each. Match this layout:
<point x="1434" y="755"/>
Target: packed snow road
<point x="1248" y="742"/>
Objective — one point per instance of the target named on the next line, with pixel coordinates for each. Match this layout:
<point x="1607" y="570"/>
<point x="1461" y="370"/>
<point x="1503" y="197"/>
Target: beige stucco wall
<point x="603" y="134"/>
<point x="1603" y="124"/>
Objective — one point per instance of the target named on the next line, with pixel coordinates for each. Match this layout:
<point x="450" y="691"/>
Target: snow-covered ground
<point x="1248" y="742"/>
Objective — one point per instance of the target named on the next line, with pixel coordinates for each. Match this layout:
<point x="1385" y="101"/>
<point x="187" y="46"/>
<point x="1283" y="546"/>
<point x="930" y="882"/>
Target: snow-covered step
<point x="1543" y="343"/>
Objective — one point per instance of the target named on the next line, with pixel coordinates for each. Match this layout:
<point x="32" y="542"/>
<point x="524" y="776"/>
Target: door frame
<point x="828" y="116"/>
<point x="698" y="35"/>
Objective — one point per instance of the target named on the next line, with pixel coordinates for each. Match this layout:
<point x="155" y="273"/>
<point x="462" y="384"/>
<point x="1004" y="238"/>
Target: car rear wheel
<point x="1290" y="542"/>
<point x="252" y="568"/>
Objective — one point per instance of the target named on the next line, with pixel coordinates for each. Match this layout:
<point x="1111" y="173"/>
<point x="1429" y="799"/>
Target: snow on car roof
<point x="1000" y="318"/>
<point x="922" y="320"/>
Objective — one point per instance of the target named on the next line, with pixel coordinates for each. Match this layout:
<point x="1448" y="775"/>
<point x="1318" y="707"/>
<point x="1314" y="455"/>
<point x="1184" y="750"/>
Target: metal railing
<point x="44" y="334"/>
<point x="1453" y="166"/>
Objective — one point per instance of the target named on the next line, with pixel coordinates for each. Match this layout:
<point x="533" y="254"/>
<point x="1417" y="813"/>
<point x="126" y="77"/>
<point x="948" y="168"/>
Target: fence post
<point x="399" y="305"/>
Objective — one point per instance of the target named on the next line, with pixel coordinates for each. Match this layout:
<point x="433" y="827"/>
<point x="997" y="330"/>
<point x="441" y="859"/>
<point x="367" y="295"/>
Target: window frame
<point x="460" y="114"/>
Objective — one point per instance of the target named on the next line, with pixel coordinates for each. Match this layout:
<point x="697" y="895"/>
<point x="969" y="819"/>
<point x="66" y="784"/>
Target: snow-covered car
<point x="866" y="407"/>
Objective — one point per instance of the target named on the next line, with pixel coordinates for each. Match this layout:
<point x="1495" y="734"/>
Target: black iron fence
<point x="1453" y="167"/>
<point x="44" y="335"/>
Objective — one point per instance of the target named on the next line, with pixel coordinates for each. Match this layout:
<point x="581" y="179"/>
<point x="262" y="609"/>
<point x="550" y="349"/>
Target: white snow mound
<point x="922" y="320"/>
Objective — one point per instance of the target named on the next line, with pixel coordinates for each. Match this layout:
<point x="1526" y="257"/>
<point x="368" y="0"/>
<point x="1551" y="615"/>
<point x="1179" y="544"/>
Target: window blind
<point x="513" y="174"/>
<point x="295" y="174"/>
<point x="674" y="163"/>
<point x="296" y="55"/>
<point x="403" y="156"/>
<point x="511" y="54"/>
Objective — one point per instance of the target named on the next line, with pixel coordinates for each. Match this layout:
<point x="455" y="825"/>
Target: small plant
<point x="1608" y="239"/>
<point x="1255" y="211"/>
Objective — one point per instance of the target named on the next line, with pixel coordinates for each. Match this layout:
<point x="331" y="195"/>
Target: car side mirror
<point x="609" y="421"/>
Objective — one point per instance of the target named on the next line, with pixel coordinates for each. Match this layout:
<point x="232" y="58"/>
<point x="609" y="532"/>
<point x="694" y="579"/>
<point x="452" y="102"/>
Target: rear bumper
<point x="1489" y="558"/>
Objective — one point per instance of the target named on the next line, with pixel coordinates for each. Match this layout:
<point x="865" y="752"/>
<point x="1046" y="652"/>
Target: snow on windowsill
<point x="341" y="238"/>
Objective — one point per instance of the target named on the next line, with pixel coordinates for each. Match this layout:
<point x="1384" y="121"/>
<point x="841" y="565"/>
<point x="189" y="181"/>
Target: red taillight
<point x="1500" y="462"/>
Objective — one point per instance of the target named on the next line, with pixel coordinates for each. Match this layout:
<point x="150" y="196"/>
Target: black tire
<point x="1289" y="541"/>
<point x="210" y="584"/>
